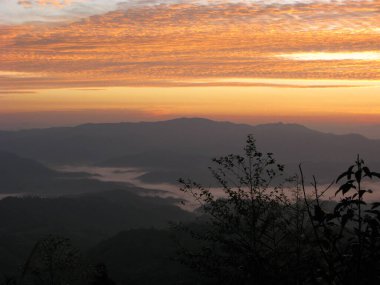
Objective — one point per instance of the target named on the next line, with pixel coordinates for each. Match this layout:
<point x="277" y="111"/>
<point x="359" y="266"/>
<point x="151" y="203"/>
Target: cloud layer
<point x="57" y="3"/>
<point x="180" y="44"/>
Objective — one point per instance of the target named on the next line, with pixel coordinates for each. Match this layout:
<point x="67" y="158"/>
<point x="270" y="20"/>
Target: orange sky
<point x="294" y="61"/>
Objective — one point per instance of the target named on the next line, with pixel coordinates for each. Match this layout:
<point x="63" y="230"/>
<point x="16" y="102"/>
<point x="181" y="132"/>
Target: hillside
<point x="140" y="256"/>
<point x="85" y="219"/>
<point x="169" y="149"/>
<point x="20" y="175"/>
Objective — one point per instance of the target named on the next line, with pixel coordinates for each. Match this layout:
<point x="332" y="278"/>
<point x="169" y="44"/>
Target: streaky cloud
<point x="174" y="44"/>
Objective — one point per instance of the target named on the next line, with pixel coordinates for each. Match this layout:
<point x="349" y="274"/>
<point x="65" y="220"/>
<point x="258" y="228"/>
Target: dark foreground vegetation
<point x="258" y="227"/>
<point x="258" y="233"/>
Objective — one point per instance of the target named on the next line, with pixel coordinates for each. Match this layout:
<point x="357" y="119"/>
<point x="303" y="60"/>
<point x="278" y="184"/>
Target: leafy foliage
<point x="246" y="232"/>
<point x="253" y="232"/>
<point x="349" y="234"/>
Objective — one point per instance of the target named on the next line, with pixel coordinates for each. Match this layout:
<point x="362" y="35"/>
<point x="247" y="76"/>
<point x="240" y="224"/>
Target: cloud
<point x="163" y="44"/>
<point x="15" y="92"/>
<point x="56" y="3"/>
<point x="25" y="3"/>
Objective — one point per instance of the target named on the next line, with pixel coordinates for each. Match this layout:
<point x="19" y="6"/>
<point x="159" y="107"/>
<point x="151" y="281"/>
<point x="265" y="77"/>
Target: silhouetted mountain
<point x="93" y="143"/>
<point x="155" y="159"/>
<point x="23" y="175"/>
<point x="85" y="219"/>
<point x="182" y="146"/>
<point x="18" y="174"/>
<point x="12" y="165"/>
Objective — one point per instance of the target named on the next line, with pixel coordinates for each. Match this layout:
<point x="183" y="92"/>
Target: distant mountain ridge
<point x="164" y="147"/>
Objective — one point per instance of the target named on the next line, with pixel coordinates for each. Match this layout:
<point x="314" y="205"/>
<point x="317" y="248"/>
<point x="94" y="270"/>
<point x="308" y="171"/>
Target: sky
<point x="73" y="61"/>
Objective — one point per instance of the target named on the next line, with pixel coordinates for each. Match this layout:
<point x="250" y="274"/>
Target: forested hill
<point x="186" y="144"/>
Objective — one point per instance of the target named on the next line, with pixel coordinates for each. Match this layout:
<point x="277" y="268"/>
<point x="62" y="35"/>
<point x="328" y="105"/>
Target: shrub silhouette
<point x="101" y="276"/>
<point x="54" y="261"/>
<point x="348" y="236"/>
<point x="254" y="232"/>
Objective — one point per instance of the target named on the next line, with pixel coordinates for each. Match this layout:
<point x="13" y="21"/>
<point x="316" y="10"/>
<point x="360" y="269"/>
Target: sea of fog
<point x="131" y="176"/>
<point x="119" y="174"/>
<point x="165" y="190"/>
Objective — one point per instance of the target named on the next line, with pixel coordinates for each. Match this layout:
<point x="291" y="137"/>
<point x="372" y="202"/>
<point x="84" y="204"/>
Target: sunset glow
<point x="228" y="59"/>
<point x="334" y="56"/>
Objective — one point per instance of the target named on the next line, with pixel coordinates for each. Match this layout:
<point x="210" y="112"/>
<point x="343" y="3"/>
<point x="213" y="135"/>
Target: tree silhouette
<point x="54" y="261"/>
<point x="247" y="233"/>
<point x="101" y="276"/>
<point x="251" y="231"/>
